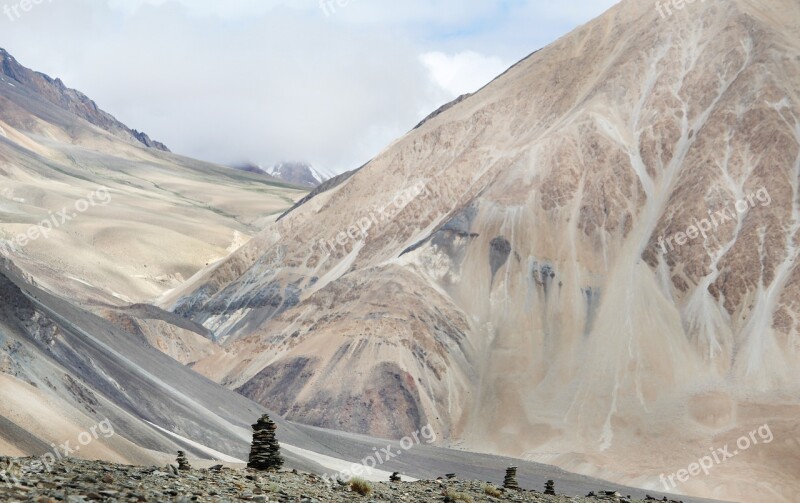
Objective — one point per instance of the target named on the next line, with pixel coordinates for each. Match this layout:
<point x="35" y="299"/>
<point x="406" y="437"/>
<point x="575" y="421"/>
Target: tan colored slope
<point x="153" y="219"/>
<point x="59" y="423"/>
<point x="524" y="305"/>
<point x="106" y="222"/>
<point x="156" y="221"/>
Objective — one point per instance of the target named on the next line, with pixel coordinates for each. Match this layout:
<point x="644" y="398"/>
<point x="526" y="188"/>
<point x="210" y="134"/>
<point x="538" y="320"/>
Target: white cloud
<point x="267" y="80"/>
<point x="462" y="73"/>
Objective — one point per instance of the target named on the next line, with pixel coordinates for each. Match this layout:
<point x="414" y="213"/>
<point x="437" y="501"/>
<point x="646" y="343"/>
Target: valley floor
<point x="75" y="481"/>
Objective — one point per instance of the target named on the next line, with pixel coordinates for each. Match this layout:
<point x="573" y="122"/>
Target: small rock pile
<point x="395" y="477"/>
<point x="265" y="453"/>
<point x="183" y="462"/>
<point x="510" y="481"/>
<point x="550" y="488"/>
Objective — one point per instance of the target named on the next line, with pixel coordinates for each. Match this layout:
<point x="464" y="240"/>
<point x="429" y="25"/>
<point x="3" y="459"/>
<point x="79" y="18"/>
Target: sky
<point x="330" y="82"/>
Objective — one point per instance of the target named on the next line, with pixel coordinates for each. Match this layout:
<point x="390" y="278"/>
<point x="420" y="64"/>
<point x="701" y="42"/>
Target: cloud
<point x="271" y="80"/>
<point x="462" y="73"/>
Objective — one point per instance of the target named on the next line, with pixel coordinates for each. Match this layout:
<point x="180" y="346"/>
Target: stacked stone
<point x="510" y="482"/>
<point x="265" y="453"/>
<point x="395" y="477"/>
<point x="550" y="488"/>
<point x="183" y="462"/>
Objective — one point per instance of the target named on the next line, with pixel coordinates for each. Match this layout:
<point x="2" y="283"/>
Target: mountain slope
<point x="128" y="222"/>
<point x="533" y="279"/>
<point x="91" y="214"/>
<point x="66" y="373"/>
<point x="56" y="93"/>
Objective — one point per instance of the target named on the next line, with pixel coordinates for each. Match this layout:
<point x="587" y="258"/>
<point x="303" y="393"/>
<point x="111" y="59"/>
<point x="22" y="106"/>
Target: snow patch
<point x="337" y="465"/>
<point x="215" y="455"/>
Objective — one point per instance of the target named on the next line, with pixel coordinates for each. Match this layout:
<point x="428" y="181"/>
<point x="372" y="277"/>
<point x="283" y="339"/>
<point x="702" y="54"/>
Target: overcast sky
<point x="329" y="82"/>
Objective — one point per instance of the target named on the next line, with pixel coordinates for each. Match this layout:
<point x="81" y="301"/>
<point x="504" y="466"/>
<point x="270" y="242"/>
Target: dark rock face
<point x="188" y="305"/>
<point x="453" y="236"/>
<point x="279" y="384"/>
<point x="12" y="300"/>
<point x="55" y="92"/>
<point x="389" y="405"/>
<point x="143" y="138"/>
<point x="499" y="250"/>
<point x="17" y="308"/>
<point x="273" y="296"/>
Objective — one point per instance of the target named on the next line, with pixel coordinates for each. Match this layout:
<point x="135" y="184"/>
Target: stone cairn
<point x="395" y="477"/>
<point x="550" y="488"/>
<point x="183" y="462"/>
<point x="265" y="453"/>
<point x="510" y="482"/>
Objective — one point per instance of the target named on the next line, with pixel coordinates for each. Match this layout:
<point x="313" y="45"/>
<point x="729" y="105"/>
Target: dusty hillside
<point x="591" y="261"/>
<point x="118" y="222"/>
<point x="91" y="216"/>
<point x="119" y="386"/>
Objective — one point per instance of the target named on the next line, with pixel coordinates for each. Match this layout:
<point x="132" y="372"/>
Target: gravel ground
<point x="77" y="481"/>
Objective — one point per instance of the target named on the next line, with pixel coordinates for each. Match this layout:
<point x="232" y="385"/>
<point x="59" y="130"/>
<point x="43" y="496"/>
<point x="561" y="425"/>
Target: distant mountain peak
<point x="294" y="172"/>
<point x="299" y="173"/>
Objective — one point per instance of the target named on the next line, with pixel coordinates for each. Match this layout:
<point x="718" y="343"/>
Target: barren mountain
<point x="126" y="222"/>
<point x="73" y="385"/>
<point x="94" y="221"/>
<point x="590" y="262"/>
<point x="92" y="214"/>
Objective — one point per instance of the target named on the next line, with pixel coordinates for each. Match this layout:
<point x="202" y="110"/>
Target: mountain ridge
<point x="71" y="100"/>
<point x="532" y="313"/>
